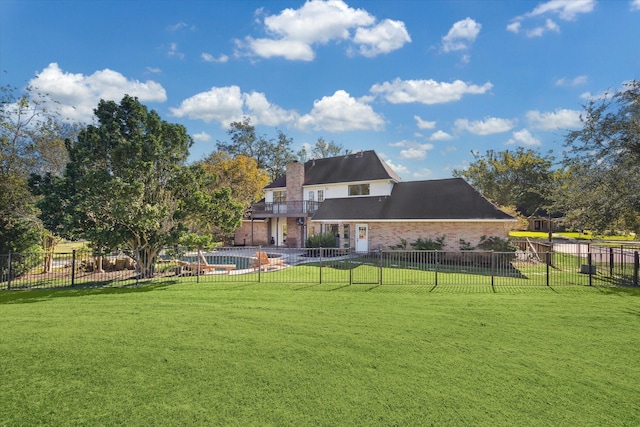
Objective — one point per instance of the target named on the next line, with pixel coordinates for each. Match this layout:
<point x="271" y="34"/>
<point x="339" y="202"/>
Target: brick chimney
<point x="295" y="194"/>
<point x="295" y="180"/>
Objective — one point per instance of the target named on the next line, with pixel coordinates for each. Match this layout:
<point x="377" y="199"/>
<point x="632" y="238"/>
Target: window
<point x="311" y="196"/>
<point x="359" y="190"/>
<point x="320" y="196"/>
<point x="279" y="196"/>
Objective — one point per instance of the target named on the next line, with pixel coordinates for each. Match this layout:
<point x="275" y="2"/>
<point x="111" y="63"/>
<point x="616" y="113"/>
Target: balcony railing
<point x="299" y="208"/>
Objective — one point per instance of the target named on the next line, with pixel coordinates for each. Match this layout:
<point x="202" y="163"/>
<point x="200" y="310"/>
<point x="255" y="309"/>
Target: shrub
<point x="495" y="243"/>
<point x="428" y="244"/>
<point x="324" y="240"/>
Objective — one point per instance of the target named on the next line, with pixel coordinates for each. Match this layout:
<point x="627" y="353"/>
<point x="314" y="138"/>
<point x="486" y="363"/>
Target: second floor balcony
<point x="288" y="209"/>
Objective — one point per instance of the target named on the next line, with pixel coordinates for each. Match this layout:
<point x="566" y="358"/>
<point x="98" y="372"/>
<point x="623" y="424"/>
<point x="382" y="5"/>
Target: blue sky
<point x="424" y="83"/>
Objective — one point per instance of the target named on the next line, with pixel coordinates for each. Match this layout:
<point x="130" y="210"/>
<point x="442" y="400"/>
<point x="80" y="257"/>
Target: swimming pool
<point x="240" y="262"/>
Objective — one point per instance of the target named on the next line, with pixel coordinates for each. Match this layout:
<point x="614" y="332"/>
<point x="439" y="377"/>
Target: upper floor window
<point x="359" y="190"/>
<point x="279" y="196"/>
<point x="320" y="196"/>
<point x="312" y="196"/>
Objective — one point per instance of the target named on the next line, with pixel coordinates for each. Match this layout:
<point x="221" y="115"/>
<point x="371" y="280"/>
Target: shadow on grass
<point x="39" y="295"/>
<point x="619" y="290"/>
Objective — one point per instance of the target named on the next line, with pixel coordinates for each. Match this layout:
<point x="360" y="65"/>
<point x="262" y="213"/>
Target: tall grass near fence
<point x="246" y="353"/>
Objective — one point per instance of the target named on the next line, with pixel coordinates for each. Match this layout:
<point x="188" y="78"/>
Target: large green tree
<point x="320" y="150"/>
<point x="30" y="141"/>
<point x="522" y="178"/>
<point x="127" y="185"/>
<point x="270" y="155"/>
<point x="602" y="190"/>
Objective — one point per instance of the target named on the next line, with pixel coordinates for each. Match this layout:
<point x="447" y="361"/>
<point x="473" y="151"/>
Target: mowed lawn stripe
<point x="250" y="354"/>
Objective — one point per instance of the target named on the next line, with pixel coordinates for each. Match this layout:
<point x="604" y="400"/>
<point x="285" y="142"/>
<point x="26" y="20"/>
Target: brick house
<point x="361" y="201"/>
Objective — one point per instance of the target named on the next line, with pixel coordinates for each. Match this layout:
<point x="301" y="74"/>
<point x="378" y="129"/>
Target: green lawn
<point x="271" y="354"/>
<point x="569" y="235"/>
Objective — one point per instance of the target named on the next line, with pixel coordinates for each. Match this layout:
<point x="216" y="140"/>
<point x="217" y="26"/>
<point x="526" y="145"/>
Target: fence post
<point x="73" y="268"/>
<point x="351" y="267"/>
<point x="437" y="262"/>
<point x="636" y="267"/>
<point x="610" y="262"/>
<point x="138" y="270"/>
<point x="380" y="266"/>
<point x="548" y="256"/>
<point x="493" y="266"/>
<point x="321" y="250"/>
<point x="9" y="271"/>
<point x="589" y="262"/>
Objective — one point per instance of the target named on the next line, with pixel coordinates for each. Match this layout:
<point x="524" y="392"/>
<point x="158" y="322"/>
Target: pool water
<point x="241" y="263"/>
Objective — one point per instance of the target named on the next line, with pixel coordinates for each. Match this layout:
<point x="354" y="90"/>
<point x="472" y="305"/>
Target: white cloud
<point x="174" y="52"/>
<point x="558" y="119"/>
<point x="293" y="33"/>
<point x="78" y="94"/>
<point x="201" y="137"/>
<point x="153" y="70"/>
<point x="175" y="27"/>
<point x="423" y="173"/>
<point x="289" y="49"/>
<point x="576" y="81"/>
<point x="341" y="112"/>
<point x="461" y="35"/>
<point x="523" y="137"/>
<point x="566" y="10"/>
<point x="412" y="150"/>
<point x="488" y="126"/>
<point x="549" y="25"/>
<point x="264" y="112"/>
<point x="424" y="124"/>
<point x="399" y="169"/>
<point x="440" y="136"/>
<point x="414" y="153"/>
<point x="228" y="104"/>
<point x="426" y="91"/>
<point x="221" y="104"/>
<point x="207" y="57"/>
<point x="514" y="27"/>
<point x="385" y="37"/>
<point x="635" y="5"/>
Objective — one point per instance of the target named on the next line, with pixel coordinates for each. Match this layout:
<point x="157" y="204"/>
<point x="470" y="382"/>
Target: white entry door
<point x="362" y="238"/>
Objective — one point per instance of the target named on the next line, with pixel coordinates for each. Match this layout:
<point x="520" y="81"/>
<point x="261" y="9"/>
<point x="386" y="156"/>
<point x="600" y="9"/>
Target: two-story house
<point x="360" y="200"/>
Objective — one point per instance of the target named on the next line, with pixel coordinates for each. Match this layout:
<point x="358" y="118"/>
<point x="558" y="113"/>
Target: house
<point x="361" y="201"/>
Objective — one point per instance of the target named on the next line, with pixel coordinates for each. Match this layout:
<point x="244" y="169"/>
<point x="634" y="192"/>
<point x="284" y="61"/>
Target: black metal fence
<point x="317" y="266"/>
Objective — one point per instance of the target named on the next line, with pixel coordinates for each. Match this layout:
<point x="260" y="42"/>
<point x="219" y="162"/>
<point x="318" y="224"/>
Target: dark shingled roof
<point x="439" y="199"/>
<point x="354" y="167"/>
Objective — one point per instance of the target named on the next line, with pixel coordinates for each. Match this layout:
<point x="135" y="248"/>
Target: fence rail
<point x="325" y="265"/>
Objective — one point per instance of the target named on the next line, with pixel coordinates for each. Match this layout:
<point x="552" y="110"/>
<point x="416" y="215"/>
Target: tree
<point x="127" y="185"/>
<point x="241" y="174"/>
<point x="602" y="190"/>
<point x="269" y="155"/>
<point x="520" y="178"/>
<point x="321" y="150"/>
<point x="30" y="141"/>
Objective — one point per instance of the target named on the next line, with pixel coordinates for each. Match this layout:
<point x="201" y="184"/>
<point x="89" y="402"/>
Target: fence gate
<point x="365" y="269"/>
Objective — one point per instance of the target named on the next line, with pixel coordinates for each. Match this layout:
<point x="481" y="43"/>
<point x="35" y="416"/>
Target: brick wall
<point x="243" y="235"/>
<point x="389" y="234"/>
<point x="384" y="235"/>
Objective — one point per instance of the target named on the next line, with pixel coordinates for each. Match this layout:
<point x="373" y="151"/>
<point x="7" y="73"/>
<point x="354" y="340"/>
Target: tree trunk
<point x="98" y="262"/>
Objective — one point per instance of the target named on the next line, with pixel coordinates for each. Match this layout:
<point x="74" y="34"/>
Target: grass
<point x="570" y="235"/>
<point x="271" y="354"/>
